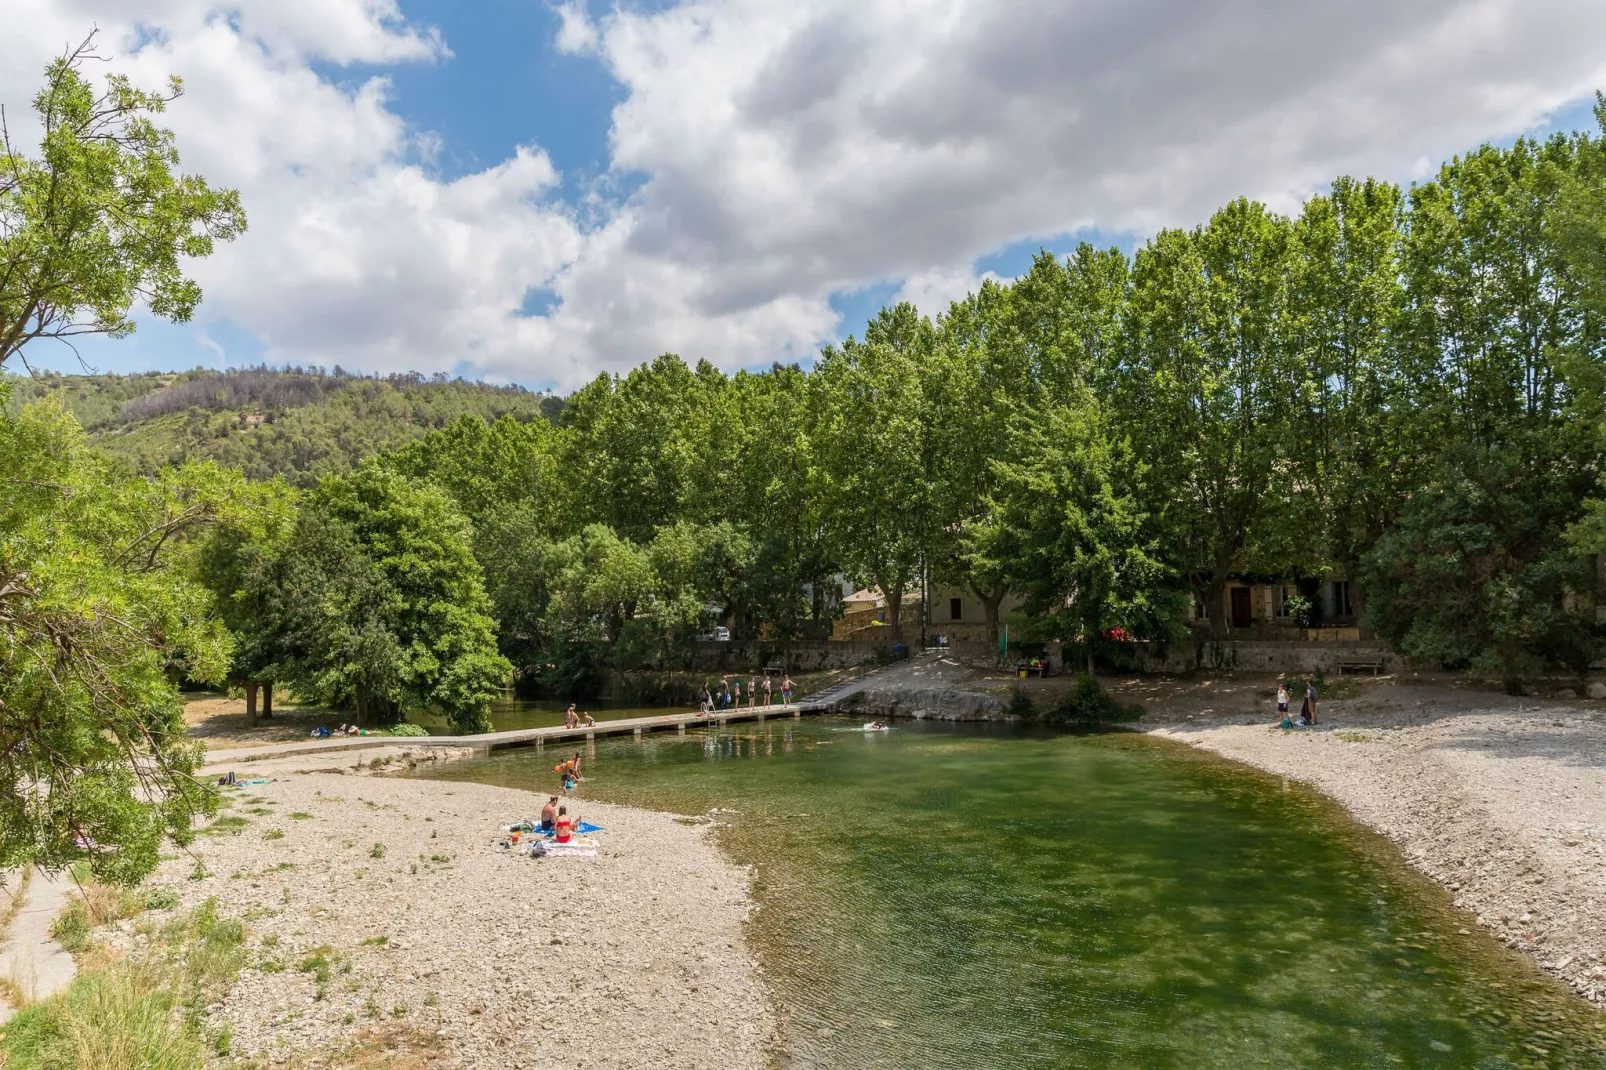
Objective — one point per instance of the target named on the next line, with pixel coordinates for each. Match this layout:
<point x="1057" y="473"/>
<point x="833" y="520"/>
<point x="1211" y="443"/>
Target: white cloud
<point x="577" y="34"/>
<point x="794" y="150"/>
<point x="787" y="152"/>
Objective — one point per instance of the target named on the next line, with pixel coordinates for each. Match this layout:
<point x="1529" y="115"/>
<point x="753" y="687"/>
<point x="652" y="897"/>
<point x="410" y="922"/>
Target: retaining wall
<point x="1267" y="656"/>
<point x="802" y="655"/>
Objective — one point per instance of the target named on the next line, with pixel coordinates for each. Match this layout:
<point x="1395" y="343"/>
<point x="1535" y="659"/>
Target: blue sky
<point x="742" y="211"/>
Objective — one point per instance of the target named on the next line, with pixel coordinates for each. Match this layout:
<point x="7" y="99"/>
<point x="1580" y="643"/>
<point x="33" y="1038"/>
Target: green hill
<point x="295" y="423"/>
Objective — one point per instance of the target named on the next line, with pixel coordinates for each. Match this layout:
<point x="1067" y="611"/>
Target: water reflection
<point x="958" y="898"/>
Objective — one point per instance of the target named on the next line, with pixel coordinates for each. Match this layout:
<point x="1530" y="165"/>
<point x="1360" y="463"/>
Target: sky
<point x="534" y="191"/>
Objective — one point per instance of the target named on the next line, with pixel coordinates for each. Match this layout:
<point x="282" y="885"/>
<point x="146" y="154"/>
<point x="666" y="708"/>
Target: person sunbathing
<point x="565" y="825"/>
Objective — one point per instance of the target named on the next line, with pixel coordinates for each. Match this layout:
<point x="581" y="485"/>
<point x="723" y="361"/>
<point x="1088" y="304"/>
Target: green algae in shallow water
<point x="968" y="897"/>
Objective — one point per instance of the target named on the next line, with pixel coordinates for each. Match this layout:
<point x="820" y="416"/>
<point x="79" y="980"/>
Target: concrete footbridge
<point x="484" y="743"/>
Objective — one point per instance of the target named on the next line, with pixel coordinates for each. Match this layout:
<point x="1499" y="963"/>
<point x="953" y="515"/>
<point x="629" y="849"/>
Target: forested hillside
<point x="295" y="423"/>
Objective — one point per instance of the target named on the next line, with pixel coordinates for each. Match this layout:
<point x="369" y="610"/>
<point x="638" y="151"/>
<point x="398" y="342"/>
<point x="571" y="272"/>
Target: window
<point x="1280" y="596"/>
<point x="1341" y="602"/>
<point x="956" y="609"/>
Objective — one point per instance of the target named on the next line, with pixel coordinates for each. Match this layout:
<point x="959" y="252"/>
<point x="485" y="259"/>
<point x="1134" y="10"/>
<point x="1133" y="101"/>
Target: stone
<point x="1597" y="689"/>
<point x="1565" y="693"/>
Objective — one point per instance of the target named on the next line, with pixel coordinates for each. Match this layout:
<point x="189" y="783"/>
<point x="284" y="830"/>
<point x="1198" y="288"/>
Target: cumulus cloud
<point x="796" y="150"/>
<point x="779" y="153"/>
<point x="576" y="32"/>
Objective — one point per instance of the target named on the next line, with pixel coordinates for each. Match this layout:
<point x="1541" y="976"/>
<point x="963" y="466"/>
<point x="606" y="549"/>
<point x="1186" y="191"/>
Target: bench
<point x="1373" y="667"/>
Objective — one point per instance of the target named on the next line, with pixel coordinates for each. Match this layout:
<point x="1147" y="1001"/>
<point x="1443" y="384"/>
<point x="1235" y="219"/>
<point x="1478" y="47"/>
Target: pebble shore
<point x="1503" y="801"/>
<point x="376" y="901"/>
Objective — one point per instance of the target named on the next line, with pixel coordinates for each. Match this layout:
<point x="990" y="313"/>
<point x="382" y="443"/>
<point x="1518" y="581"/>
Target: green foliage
<point x="99" y="219"/>
<point x="295" y="424"/>
<point x="71" y="928"/>
<point x="376" y="603"/>
<point x="142" y="1010"/>
<point x="99" y="614"/>
<point x="406" y="729"/>
<point x="1087" y="705"/>
<point x="1070" y="534"/>
<point x="872" y="414"/>
<point x="1476" y="575"/>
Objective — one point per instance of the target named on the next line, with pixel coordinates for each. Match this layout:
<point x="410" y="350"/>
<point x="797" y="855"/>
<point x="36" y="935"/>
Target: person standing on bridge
<point x="768" y="693"/>
<point x="752" y="692"/>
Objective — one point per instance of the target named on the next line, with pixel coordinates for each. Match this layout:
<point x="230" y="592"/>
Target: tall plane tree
<point x="872" y="429"/>
<point x="1204" y="390"/>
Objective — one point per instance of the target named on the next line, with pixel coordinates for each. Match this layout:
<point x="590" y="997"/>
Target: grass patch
<point x="375" y="941"/>
<point x="226" y="826"/>
<point x="377" y="851"/>
<point x="300" y="815"/>
<point x="161" y="899"/>
<point x="273" y="834"/>
<point x="143" y="1010"/>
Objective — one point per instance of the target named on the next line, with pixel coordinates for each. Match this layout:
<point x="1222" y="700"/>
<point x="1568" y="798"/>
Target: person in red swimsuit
<point x="565" y="825"/>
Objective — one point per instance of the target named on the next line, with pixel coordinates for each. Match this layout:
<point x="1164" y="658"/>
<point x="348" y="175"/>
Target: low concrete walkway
<point x="30" y="958"/>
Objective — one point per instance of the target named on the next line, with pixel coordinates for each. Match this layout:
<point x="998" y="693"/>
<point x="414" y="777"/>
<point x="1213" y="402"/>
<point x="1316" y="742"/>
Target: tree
<point x="100" y="614"/>
<point x="634" y="446"/>
<point x="100" y="220"/>
<point x="1204" y="385"/>
<point x="1476" y="575"/>
<point x="1071" y="533"/>
<point x="1352" y="451"/>
<point x="871" y="425"/>
<point x="377" y="604"/>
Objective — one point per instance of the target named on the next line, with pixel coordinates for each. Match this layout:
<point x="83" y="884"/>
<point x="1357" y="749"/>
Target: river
<point x="946" y="896"/>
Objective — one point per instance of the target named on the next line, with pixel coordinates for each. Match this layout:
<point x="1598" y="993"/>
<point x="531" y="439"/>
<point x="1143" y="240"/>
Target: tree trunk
<point x="1090" y="632"/>
<point x="1218" y="617"/>
<point x="250" y="705"/>
<point x="267" y="699"/>
<point x="895" y="611"/>
<point x="989" y="606"/>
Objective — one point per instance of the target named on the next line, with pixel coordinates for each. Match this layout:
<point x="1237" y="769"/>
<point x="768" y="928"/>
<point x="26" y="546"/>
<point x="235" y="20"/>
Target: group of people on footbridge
<point x="731" y="692"/>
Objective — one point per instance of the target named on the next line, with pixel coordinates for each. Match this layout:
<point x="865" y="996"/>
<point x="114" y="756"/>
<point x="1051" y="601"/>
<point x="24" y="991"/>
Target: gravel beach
<point x="377" y="902"/>
<point x="1501" y="800"/>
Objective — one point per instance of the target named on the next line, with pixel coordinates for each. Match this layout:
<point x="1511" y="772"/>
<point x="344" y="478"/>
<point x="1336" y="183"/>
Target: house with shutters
<point x="1324" y="607"/>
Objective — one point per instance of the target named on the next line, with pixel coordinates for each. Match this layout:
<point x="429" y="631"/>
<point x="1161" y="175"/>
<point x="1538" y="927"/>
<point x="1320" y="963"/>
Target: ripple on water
<point x="961" y="897"/>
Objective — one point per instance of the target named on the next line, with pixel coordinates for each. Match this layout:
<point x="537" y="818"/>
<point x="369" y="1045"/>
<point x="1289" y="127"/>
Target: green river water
<point x="968" y="896"/>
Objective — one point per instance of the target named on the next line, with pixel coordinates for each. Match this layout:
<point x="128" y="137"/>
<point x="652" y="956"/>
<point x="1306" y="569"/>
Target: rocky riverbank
<point x="375" y="902"/>
<point x="1502" y="801"/>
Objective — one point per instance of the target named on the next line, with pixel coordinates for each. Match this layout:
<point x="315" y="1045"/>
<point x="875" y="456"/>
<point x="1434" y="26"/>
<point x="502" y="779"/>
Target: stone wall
<point x="1266" y="656"/>
<point x="923" y="704"/>
<point x="802" y="655"/>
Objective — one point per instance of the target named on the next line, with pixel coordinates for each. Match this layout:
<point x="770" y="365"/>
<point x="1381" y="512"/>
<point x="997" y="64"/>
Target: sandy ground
<point x="1502" y="800"/>
<point x="633" y="958"/>
<point x="220" y="721"/>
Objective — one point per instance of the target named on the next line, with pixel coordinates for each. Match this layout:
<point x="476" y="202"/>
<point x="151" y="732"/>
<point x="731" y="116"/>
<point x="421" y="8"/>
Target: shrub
<point x="161" y="899"/>
<point x="1088" y="706"/>
<point x="408" y="730"/>
<point x="1020" y="704"/>
<point x="71" y="928"/>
